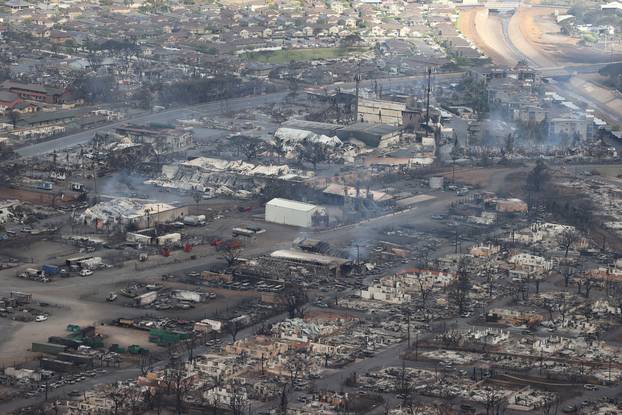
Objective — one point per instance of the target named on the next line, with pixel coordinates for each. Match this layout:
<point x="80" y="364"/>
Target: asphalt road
<point x="84" y="137"/>
<point x="215" y="107"/>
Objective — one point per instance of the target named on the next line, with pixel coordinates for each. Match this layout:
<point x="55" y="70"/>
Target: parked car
<point x="86" y="273"/>
<point x="41" y="318"/>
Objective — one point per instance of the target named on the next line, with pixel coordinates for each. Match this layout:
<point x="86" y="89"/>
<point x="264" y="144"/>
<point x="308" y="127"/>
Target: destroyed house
<point x="335" y="265"/>
<point x="320" y="128"/>
<point x="45" y="118"/>
<point x="369" y="134"/>
<point x="339" y="192"/>
<point x="379" y="111"/>
<point x="314" y="245"/>
<point x="125" y="211"/>
<point x="34" y="92"/>
<point x="164" y="138"/>
<point x="8" y="100"/>
<point x="152" y="237"/>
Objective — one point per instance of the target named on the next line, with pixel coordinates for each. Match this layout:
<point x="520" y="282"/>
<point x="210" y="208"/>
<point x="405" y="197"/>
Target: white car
<point x="41" y="318"/>
<point x="86" y="272"/>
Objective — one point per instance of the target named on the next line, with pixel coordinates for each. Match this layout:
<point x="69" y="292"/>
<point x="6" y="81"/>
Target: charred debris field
<point x="362" y="207"/>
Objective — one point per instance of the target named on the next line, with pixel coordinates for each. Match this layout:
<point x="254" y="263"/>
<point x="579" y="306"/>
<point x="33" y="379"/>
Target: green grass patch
<point x="298" y="55"/>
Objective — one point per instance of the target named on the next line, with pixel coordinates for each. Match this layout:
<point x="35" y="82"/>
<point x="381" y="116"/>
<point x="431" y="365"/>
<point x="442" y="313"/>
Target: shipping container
<point x="76" y="358"/>
<point x="45" y="185"/>
<point x="146" y="298"/>
<point x="49" y="348"/>
<point x="50" y="269"/>
<point x="58" y="365"/>
<point x="71" y="343"/>
<point x="164" y="337"/>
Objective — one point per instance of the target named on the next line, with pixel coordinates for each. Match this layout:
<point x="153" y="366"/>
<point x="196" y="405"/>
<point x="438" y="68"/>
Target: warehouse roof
<point x="368" y="133"/>
<point x="124" y="208"/>
<point x="299" y="256"/>
<point x="341" y="190"/>
<point x="299" y="135"/>
<point x="313" y="126"/>
<point x="291" y="204"/>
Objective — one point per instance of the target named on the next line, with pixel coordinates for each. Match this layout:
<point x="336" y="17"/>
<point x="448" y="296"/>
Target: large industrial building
<point x="123" y="211"/>
<point x="294" y="213"/>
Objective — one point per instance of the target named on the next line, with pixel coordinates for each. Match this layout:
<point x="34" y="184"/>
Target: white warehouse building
<point x="294" y="213"/>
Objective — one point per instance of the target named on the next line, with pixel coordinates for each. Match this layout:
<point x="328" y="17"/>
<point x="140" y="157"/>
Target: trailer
<point x="74" y="358"/>
<point x="247" y="231"/>
<point x="242" y="232"/>
<point x="58" y="365"/>
<point x="32" y="272"/>
<point x="70" y="343"/>
<point x="163" y="337"/>
<point x="146" y="298"/>
<point x="48" y="348"/>
<point x="191" y="220"/>
<point x="45" y="185"/>
<point x="77" y="260"/>
<point x="50" y="269"/>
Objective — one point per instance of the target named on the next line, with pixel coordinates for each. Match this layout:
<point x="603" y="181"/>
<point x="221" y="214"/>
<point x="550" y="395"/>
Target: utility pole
<point x="357" y="79"/>
<point x="94" y="169"/>
<point x="416" y="345"/>
<point x="427" y="104"/>
<point x="610" y="358"/>
<point x="262" y="364"/>
<point x="409" y="330"/>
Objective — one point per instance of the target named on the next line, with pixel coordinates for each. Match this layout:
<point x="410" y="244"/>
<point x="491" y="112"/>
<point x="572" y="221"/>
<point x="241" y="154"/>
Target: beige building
<point x="378" y="111"/>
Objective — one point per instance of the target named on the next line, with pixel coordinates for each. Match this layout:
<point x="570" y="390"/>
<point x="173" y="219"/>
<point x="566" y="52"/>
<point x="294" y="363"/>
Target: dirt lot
<point x="38" y="197"/>
<point x="481" y="178"/>
<point x="125" y="337"/>
<point x="36" y="252"/>
<point x="124" y="307"/>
